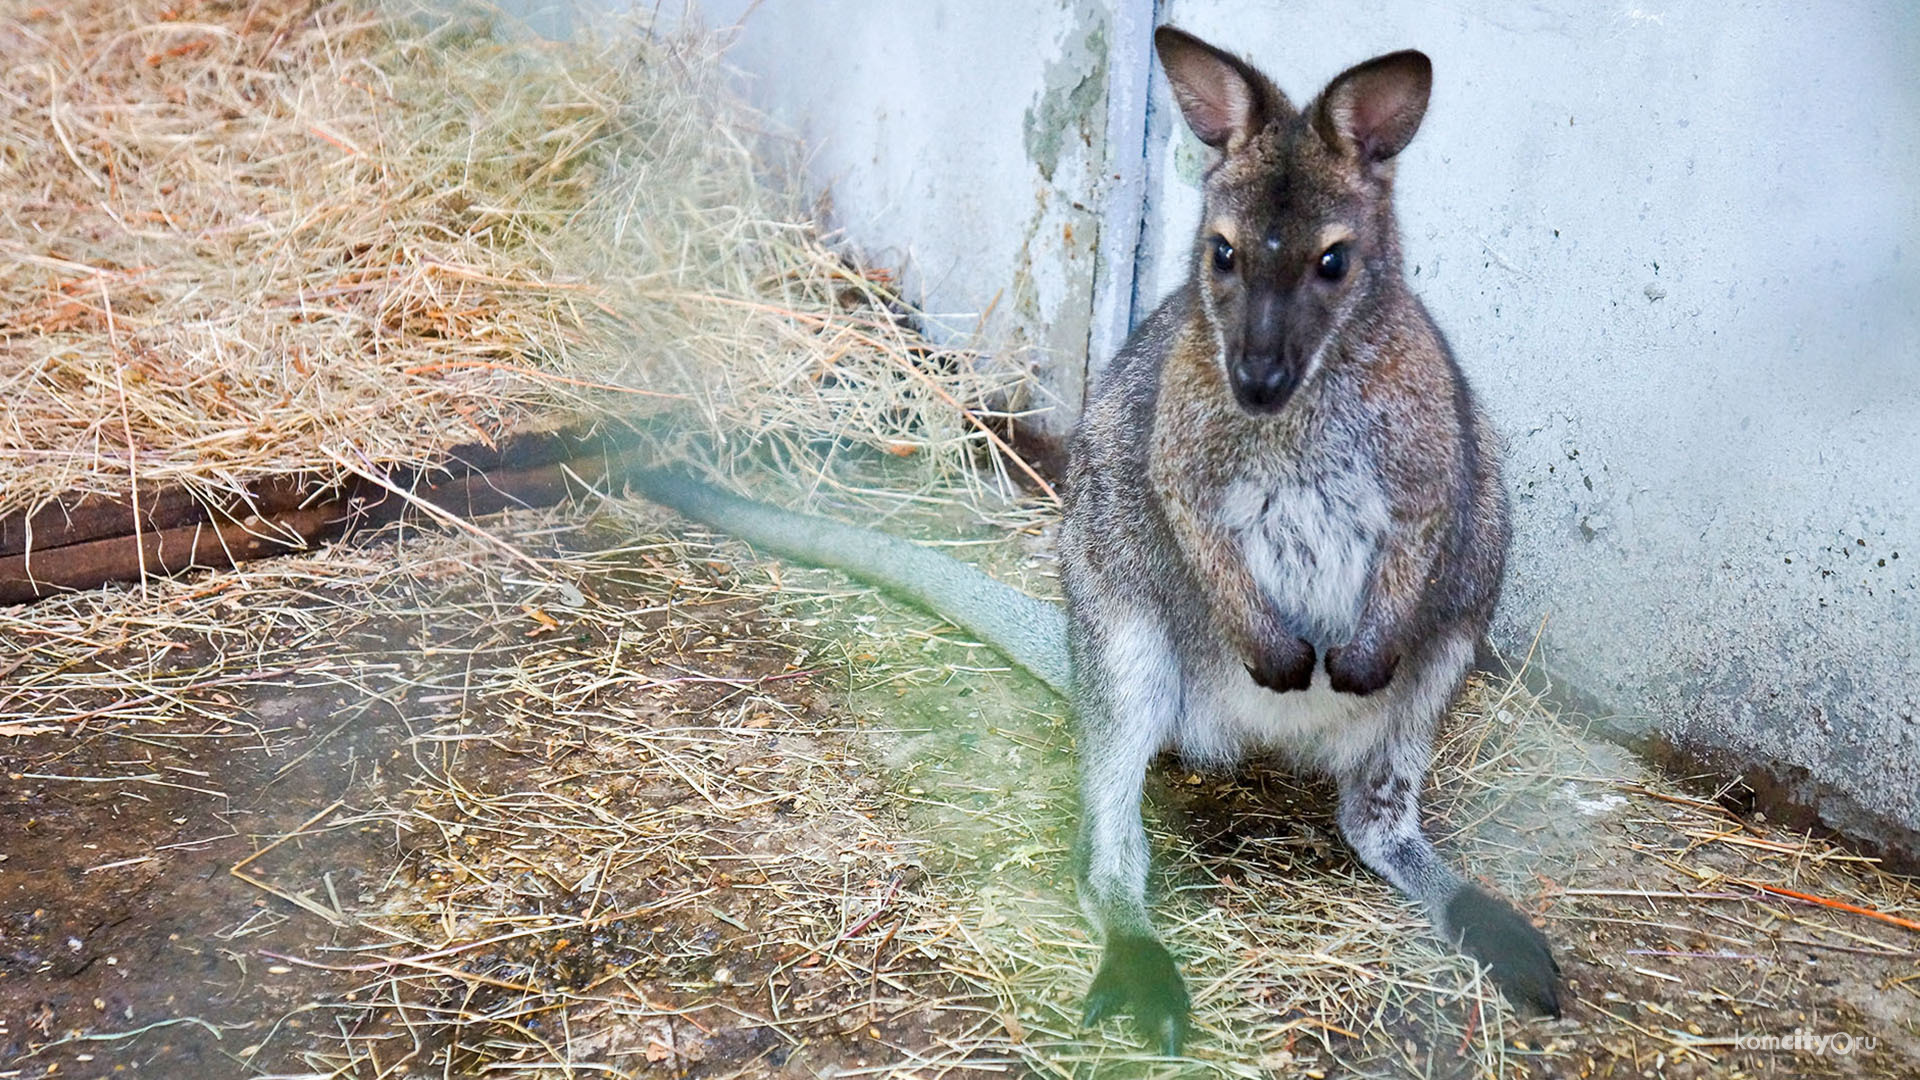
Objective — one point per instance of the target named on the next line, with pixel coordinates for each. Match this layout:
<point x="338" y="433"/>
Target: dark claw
<point x="1138" y="977"/>
<point x="1518" y="959"/>
<point x="1359" y="671"/>
<point x="1284" y="665"/>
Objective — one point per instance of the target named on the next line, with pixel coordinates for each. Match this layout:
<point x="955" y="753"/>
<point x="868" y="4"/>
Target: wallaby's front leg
<point x="1274" y="655"/>
<point x="1129" y="699"/>
<point x="1380" y="817"/>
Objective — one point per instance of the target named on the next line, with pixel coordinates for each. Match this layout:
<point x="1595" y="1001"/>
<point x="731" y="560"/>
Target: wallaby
<point x="1282" y="464"/>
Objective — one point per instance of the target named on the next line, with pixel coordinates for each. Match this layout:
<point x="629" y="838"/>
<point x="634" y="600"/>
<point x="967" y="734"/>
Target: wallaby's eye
<point x="1333" y="262"/>
<point x="1222" y="255"/>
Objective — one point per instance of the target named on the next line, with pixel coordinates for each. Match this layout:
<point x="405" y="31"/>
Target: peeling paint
<point x="1072" y="102"/>
<point x="1064" y="135"/>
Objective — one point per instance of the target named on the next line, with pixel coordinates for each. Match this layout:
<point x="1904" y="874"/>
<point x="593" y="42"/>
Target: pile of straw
<point x="239" y="240"/>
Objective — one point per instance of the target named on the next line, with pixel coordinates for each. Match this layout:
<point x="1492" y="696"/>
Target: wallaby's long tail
<point x="1027" y="630"/>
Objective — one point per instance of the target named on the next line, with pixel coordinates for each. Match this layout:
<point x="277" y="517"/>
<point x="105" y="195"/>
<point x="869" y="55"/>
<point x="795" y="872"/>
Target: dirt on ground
<point x="709" y="835"/>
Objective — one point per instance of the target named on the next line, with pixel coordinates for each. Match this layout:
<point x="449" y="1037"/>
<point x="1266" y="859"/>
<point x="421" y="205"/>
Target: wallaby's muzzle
<point x="1266" y="372"/>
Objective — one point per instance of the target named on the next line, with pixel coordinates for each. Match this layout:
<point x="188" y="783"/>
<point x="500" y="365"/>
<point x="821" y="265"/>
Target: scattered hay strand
<point x="239" y="870"/>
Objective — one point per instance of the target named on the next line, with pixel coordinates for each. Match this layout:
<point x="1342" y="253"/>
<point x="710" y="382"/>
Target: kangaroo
<point x="1285" y="527"/>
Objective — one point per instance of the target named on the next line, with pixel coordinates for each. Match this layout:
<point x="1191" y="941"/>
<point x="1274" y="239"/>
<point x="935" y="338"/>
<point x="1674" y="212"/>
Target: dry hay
<point x="240" y="240"/>
<point x="636" y="829"/>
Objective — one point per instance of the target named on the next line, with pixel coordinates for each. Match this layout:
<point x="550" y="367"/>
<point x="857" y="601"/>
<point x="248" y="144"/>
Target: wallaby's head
<point x="1298" y="228"/>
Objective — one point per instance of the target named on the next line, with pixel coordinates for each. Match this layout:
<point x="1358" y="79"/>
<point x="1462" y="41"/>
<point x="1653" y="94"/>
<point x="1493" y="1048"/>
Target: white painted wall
<point x="1677" y="247"/>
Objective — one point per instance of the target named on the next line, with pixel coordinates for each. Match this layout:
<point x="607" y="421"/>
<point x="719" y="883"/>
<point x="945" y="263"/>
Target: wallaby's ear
<point x="1224" y="99"/>
<point x="1373" y="109"/>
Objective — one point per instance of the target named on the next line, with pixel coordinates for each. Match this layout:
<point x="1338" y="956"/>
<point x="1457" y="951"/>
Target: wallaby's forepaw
<point x="1138" y="978"/>
<point x="1518" y="959"/>
<point x="1283" y="664"/>
<point x="1358" y="670"/>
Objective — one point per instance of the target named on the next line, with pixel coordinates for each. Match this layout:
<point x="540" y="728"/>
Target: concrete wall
<point x="1676" y="245"/>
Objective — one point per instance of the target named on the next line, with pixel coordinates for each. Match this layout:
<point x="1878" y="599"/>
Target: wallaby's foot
<point x="1356" y="669"/>
<point x="1494" y="932"/>
<point x="1283" y="663"/>
<point x="1138" y="977"/>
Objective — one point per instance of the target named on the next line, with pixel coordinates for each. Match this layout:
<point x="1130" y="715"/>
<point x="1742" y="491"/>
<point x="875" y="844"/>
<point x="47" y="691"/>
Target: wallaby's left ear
<point x="1373" y="109"/>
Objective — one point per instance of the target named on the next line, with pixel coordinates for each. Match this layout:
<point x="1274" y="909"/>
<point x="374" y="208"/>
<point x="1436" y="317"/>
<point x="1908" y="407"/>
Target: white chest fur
<point x="1310" y="542"/>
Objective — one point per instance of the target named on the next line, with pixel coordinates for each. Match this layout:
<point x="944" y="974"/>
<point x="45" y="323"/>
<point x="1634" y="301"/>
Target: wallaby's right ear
<point x="1224" y="100"/>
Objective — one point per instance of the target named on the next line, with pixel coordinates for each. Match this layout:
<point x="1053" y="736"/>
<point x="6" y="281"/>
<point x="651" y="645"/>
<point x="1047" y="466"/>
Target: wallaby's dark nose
<point x="1263" y="386"/>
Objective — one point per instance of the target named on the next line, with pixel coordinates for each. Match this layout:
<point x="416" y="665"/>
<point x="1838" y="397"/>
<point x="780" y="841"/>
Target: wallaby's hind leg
<point x="1380" y="817"/>
<point x="1129" y="697"/>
